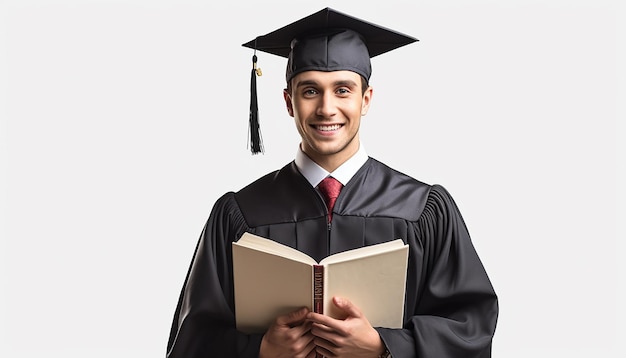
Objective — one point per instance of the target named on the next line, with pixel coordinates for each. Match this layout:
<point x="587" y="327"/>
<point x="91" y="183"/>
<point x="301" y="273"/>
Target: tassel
<point x="254" y="130"/>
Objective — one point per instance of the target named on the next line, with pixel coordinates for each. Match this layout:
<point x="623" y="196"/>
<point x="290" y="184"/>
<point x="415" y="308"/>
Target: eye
<point x="309" y="92"/>
<point x="343" y="91"/>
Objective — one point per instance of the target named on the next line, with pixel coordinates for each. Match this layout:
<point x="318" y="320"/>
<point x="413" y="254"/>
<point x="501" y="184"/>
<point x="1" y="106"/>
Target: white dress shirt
<point x="315" y="174"/>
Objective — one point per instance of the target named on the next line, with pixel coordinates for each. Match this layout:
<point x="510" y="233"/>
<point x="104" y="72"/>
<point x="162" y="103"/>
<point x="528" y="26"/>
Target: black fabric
<point x="378" y="38"/>
<point x="329" y="40"/>
<point x="331" y="50"/>
<point x="451" y="307"/>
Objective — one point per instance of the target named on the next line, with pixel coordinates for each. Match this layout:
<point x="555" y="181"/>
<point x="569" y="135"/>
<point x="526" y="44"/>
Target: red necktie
<point x="330" y="188"/>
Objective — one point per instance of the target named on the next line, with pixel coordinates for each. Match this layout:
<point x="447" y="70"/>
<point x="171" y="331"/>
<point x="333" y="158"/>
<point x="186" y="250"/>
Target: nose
<point x="327" y="106"/>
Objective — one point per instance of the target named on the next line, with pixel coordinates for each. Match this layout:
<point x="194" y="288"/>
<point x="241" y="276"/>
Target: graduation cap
<point x="327" y="40"/>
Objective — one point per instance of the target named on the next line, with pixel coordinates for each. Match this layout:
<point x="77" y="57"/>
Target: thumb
<point x="347" y="306"/>
<point x="293" y="318"/>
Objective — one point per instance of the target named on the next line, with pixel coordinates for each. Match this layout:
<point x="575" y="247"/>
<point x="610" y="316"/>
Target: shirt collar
<point x="314" y="174"/>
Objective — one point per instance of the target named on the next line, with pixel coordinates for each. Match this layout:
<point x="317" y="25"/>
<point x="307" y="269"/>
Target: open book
<point x="272" y="279"/>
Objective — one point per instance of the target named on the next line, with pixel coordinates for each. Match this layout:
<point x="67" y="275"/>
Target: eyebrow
<point x="346" y="83"/>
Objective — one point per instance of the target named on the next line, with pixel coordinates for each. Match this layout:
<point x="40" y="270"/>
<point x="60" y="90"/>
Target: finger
<point x="321" y="328"/>
<point x="303" y="347"/>
<point x="310" y="349"/>
<point x="315" y="354"/>
<point x="347" y="306"/>
<point x="319" y="319"/>
<point x="324" y="332"/>
<point x="334" y="324"/>
<point x="324" y="348"/>
<point x="293" y="318"/>
<point x="302" y="329"/>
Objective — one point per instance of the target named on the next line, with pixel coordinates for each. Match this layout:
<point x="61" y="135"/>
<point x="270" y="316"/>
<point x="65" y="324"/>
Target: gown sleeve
<point x="455" y="311"/>
<point x="204" y="320"/>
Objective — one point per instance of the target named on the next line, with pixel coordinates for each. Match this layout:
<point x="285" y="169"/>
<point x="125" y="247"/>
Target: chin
<point x="329" y="150"/>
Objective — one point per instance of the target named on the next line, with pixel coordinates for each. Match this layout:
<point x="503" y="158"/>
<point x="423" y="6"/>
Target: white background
<point x="118" y="116"/>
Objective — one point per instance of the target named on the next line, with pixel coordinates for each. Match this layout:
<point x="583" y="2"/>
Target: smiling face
<point x="327" y="109"/>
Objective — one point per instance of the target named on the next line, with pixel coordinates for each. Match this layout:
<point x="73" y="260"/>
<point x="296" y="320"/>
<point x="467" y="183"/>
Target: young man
<point x="450" y="306"/>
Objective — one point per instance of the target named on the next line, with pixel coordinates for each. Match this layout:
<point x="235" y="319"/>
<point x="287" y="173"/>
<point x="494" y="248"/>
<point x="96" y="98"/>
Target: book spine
<point x="318" y="289"/>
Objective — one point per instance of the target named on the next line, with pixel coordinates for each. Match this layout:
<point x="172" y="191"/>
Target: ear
<point x="288" y="102"/>
<point x="367" y="99"/>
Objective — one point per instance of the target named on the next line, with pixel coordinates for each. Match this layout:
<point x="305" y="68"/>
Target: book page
<point x="374" y="283"/>
<point x="270" y="246"/>
<point x="268" y="286"/>
<point x="363" y="251"/>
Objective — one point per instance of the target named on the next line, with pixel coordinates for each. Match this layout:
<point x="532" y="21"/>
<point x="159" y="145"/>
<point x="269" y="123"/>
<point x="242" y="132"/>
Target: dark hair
<point x="364" y="85"/>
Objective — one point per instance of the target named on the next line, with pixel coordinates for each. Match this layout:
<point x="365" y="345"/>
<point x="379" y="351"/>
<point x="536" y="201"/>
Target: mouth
<point x="327" y="128"/>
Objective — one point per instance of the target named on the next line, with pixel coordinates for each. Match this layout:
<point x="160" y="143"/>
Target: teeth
<point x="334" y="127"/>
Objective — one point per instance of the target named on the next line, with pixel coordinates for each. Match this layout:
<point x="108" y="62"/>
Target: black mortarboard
<point x="324" y="41"/>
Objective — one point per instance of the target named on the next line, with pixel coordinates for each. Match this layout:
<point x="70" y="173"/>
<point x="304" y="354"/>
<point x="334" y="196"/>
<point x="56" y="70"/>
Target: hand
<point x="290" y="337"/>
<point x="353" y="336"/>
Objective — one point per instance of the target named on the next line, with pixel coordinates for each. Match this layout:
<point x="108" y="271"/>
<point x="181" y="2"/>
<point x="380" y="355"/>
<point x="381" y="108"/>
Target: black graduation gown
<point x="450" y="308"/>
